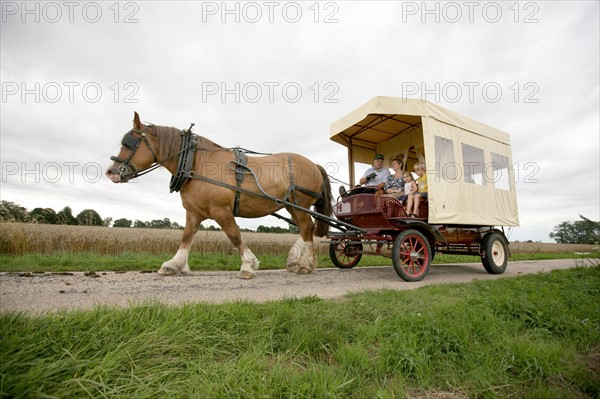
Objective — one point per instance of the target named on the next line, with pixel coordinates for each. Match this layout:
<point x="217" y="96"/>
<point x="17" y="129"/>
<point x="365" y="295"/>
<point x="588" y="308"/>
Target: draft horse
<point x="214" y="183"/>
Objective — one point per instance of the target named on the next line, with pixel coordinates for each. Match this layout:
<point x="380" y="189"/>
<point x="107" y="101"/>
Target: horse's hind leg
<point x="179" y="263"/>
<point x="301" y="258"/>
<point x="249" y="262"/>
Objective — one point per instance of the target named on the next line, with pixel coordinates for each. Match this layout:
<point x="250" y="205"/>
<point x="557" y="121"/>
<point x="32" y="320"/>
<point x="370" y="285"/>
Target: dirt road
<point x="46" y="292"/>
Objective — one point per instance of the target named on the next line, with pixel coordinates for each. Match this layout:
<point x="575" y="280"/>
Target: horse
<point x="215" y="183"/>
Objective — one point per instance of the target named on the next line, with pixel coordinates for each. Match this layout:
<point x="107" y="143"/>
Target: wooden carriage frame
<point x="471" y="196"/>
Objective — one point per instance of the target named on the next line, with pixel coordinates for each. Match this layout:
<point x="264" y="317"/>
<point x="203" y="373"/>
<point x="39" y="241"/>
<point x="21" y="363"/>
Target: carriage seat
<point x="394" y="208"/>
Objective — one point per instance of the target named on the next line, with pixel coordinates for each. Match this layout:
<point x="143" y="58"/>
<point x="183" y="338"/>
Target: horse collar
<point x="186" y="160"/>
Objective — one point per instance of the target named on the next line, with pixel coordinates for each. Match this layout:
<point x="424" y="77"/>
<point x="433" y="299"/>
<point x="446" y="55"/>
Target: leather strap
<point x="240" y="163"/>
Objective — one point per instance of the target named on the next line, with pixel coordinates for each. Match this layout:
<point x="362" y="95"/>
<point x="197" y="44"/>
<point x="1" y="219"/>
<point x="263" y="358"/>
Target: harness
<point x="185" y="166"/>
<point x="127" y="171"/>
<point x="240" y="162"/>
<point x="186" y="160"/>
<point x="132" y="142"/>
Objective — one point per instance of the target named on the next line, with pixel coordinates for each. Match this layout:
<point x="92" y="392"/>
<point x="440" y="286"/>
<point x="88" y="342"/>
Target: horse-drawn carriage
<point x="471" y="188"/>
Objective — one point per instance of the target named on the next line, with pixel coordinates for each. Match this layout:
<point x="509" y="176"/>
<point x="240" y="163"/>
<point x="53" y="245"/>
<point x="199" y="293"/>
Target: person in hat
<point x="376" y="175"/>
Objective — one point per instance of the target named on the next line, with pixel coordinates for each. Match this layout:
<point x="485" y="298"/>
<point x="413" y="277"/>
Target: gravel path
<point x="39" y="293"/>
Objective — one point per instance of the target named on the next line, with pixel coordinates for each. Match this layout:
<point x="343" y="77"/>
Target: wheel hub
<point x="414" y="255"/>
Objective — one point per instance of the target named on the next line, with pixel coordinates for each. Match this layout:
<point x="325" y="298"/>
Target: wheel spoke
<point x="413" y="255"/>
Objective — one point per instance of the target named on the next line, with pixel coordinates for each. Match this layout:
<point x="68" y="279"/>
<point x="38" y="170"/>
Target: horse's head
<point x="133" y="156"/>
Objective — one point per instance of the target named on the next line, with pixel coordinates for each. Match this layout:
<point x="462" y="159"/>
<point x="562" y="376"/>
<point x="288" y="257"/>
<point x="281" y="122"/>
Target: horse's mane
<point x="169" y="141"/>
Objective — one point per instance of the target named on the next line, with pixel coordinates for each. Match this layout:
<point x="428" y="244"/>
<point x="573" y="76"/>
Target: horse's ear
<point x="136" y="121"/>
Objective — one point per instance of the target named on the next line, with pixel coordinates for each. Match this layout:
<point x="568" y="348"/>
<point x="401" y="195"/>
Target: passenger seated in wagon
<point x="414" y="200"/>
<point x="394" y="185"/>
<point x="410" y="187"/>
<point x="376" y="175"/>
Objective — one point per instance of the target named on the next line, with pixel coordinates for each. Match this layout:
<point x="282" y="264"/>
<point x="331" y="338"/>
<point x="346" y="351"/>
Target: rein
<point x="185" y="166"/>
<point x="185" y="172"/>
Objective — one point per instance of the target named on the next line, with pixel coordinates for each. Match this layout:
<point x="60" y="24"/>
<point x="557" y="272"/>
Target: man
<point x="376" y="175"/>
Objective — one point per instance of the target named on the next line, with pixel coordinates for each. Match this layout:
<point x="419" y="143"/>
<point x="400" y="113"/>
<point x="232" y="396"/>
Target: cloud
<point x="264" y="77"/>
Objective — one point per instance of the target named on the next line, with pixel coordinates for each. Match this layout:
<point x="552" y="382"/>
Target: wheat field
<point x="24" y="238"/>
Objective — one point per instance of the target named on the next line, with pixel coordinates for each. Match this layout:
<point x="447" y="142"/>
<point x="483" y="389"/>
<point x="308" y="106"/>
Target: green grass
<point x="90" y="261"/>
<point x="536" y="336"/>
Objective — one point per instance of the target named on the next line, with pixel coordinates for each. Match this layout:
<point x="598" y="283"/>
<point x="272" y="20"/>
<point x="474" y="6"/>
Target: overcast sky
<point x="272" y="76"/>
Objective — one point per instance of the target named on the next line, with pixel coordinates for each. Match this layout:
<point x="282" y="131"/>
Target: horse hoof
<point x="167" y="270"/>
<point x="245" y="275"/>
<point x="186" y="269"/>
<point x="292" y="268"/>
<point x="303" y="270"/>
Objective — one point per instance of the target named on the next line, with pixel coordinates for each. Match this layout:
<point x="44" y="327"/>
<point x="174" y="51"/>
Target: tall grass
<point x="529" y="337"/>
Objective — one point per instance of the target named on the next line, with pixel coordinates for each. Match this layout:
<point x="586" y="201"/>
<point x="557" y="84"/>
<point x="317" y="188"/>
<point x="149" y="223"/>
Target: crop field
<point x="20" y="239"/>
<point x="40" y="248"/>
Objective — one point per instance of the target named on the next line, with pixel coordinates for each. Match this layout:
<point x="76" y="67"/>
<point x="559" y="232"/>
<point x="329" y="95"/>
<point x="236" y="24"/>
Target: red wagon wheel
<point x="345" y="254"/>
<point x="411" y="255"/>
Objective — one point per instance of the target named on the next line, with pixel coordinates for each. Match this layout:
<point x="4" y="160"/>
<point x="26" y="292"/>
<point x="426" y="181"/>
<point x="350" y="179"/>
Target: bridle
<point x="128" y="171"/>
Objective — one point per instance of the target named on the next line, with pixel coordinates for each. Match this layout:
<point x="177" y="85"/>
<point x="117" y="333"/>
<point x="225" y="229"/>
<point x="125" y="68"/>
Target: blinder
<point x="126" y="170"/>
<point x="130" y="141"/>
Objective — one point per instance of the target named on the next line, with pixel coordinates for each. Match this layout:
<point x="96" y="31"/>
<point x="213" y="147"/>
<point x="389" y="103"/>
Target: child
<point x="415" y="199"/>
<point x="410" y="187"/>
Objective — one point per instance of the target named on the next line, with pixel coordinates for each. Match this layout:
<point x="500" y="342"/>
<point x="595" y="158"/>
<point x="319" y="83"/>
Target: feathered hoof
<point x="167" y="270"/>
<point x="303" y="270"/>
<point x="293" y="268"/>
<point x="245" y="275"/>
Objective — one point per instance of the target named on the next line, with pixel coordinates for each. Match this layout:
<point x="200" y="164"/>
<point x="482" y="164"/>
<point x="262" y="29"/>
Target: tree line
<point x="584" y="231"/>
<point x="11" y="212"/>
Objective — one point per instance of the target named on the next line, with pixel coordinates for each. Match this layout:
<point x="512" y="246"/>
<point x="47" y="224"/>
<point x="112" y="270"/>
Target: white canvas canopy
<point x="469" y="164"/>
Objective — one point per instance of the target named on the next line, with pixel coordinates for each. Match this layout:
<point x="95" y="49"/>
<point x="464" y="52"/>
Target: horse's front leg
<point x="179" y="263"/>
<point x="249" y="261"/>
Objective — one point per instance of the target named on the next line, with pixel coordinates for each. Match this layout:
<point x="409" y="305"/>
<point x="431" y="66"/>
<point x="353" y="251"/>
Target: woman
<point x="394" y="185"/>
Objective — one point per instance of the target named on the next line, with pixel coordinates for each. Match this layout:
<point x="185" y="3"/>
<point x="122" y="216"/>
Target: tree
<point x="584" y="231"/>
<point x="138" y="224"/>
<point x="122" y="223"/>
<point x="66" y="217"/>
<point x="43" y="215"/>
<point x="262" y="229"/>
<point x="160" y="224"/>
<point x="89" y="217"/>
<point x="11" y="212"/>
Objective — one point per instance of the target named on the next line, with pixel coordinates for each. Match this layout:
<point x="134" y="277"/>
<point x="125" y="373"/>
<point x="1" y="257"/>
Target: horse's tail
<point x="323" y="205"/>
